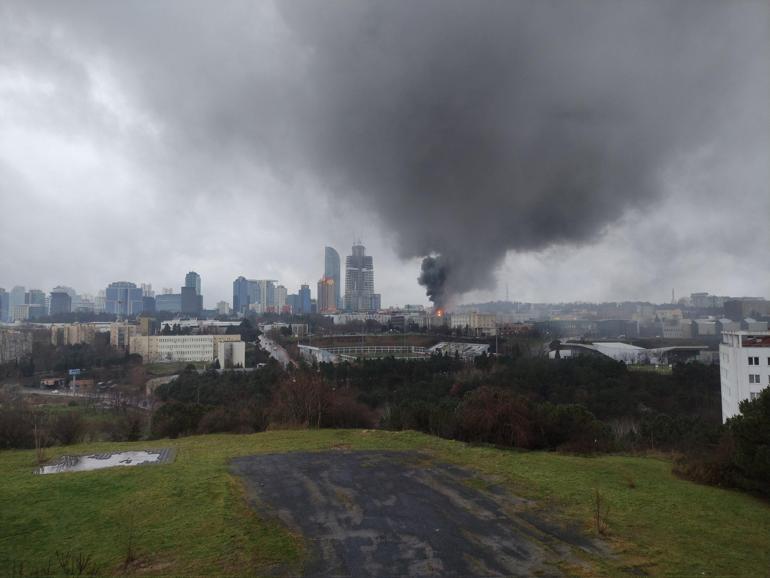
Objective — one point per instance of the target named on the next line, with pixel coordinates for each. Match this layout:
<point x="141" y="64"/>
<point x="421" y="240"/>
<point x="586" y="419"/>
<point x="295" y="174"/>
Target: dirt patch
<point x="400" y="514"/>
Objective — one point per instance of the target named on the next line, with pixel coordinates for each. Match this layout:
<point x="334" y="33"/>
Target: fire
<point x="439" y="312"/>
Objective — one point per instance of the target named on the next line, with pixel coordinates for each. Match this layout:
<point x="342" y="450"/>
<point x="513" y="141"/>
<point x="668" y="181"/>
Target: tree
<point x="751" y="434"/>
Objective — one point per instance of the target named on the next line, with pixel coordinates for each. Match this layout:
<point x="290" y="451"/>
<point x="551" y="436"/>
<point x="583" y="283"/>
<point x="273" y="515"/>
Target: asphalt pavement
<point x="388" y="514"/>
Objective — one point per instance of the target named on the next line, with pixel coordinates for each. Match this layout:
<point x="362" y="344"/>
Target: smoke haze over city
<point x="597" y="150"/>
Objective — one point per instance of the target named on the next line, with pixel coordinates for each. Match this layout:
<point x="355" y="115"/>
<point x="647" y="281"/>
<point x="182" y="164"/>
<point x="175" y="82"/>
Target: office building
<point x="246" y="292"/>
<point x="161" y="348"/>
<point x="192" y="279"/>
<point x="744" y="365"/>
<point x="169" y="302"/>
<point x="17" y="296"/>
<point x="148" y="304"/>
<point x="123" y="299"/>
<point x="192" y="302"/>
<point x="359" y="281"/>
<point x="280" y="298"/>
<point x="223" y="308"/>
<point x="36" y="300"/>
<point x="100" y="301"/>
<point x="60" y="303"/>
<point x="304" y="302"/>
<point x="4" y="297"/>
<point x="326" y="296"/>
<point x="332" y="270"/>
<point x="20" y="312"/>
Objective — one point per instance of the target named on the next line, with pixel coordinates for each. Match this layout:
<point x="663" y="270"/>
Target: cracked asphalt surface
<point x="387" y="514"/>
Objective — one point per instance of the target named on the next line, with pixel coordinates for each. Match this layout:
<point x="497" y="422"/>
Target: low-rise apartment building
<point x="744" y="363"/>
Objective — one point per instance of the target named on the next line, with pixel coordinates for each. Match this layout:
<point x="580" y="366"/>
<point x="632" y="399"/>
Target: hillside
<point x="192" y="516"/>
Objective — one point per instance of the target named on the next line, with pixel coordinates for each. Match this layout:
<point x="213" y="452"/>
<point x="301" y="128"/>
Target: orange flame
<point x="439" y="312"/>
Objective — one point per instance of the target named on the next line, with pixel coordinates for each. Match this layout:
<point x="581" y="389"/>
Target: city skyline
<point x="150" y="188"/>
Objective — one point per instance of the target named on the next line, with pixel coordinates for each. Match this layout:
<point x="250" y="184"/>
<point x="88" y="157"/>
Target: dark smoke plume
<point x="474" y="129"/>
<point x="468" y="129"/>
<point x="433" y="277"/>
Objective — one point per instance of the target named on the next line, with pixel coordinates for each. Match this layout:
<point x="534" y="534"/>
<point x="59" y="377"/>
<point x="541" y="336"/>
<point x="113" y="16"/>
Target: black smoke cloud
<point x="475" y="129"/>
<point x="466" y="129"/>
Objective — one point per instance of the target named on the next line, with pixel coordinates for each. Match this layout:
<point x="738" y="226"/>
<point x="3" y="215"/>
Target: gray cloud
<point x="471" y="131"/>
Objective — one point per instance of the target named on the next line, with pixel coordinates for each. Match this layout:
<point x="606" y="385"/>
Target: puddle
<point x="98" y="461"/>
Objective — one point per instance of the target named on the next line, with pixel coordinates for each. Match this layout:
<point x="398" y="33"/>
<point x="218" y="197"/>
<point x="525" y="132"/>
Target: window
<point x="754" y="378"/>
<point x="753" y="395"/>
<point x="753" y="360"/>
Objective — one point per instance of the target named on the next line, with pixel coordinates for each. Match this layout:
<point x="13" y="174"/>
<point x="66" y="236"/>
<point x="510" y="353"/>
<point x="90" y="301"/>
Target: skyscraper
<point x="332" y="270"/>
<point x="123" y="298"/>
<point x="192" y="279"/>
<point x="304" y="300"/>
<point x="4" y="297"/>
<point x="17" y="297"/>
<point x="359" y="281"/>
<point x="61" y="302"/>
<point x="326" y="300"/>
<point x="191" y="302"/>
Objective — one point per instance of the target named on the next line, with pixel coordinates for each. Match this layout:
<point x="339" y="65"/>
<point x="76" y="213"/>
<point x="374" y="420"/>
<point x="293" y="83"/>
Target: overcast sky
<point x="589" y="150"/>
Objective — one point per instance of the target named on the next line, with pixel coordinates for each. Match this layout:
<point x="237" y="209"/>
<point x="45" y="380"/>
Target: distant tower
<point x="673" y="297"/>
<point x="192" y="279"/>
<point x="332" y="270"/>
<point x="359" y="280"/>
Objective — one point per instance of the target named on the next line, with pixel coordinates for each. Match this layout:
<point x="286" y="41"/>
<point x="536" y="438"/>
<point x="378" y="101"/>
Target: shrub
<point x="68" y="428"/>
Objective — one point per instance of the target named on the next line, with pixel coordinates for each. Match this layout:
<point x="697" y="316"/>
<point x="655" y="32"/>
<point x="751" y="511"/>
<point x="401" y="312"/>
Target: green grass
<point x="192" y="517"/>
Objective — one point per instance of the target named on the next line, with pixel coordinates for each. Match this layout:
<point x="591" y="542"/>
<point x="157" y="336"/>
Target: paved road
<point x="387" y="514"/>
<point x="276" y="351"/>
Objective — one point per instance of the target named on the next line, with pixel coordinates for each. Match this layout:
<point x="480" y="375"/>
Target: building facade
<point x="332" y="271"/>
<point x="170" y="348"/>
<point x="170" y="302"/>
<point x="744" y="365"/>
<point x="61" y="303"/>
<point x="327" y="296"/>
<point x="192" y="279"/>
<point x="123" y="298"/>
<point x="359" y="281"/>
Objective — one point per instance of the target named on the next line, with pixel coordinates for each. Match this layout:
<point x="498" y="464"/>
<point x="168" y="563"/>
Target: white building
<point x="160" y="348"/>
<point x="744" y="362"/>
<point x="483" y="323"/>
<point x="231" y="354"/>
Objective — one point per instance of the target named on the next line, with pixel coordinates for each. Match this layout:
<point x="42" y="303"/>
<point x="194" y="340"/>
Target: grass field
<point x="191" y="517"/>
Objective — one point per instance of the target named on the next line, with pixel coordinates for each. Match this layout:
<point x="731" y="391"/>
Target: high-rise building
<point x="304" y="300"/>
<point x="223" y="308"/>
<point x="332" y="270"/>
<point x="17" y="296"/>
<point x="192" y="279"/>
<point x="359" y="281"/>
<point x="240" y="294"/>
<point x="169" y="302"/>
<point x="280" y="298"/>
<point x="326" y="296"/>
<point x="35" y="298"/>
<point x="123" y="298"/>
<point x="4" y="297"/>
<point x="192" y="302"/>
<point x="61" y="302"/>
<point x="292" y="303"/>
<point x="100" y="301"/>
<point x="147" y="290"/>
